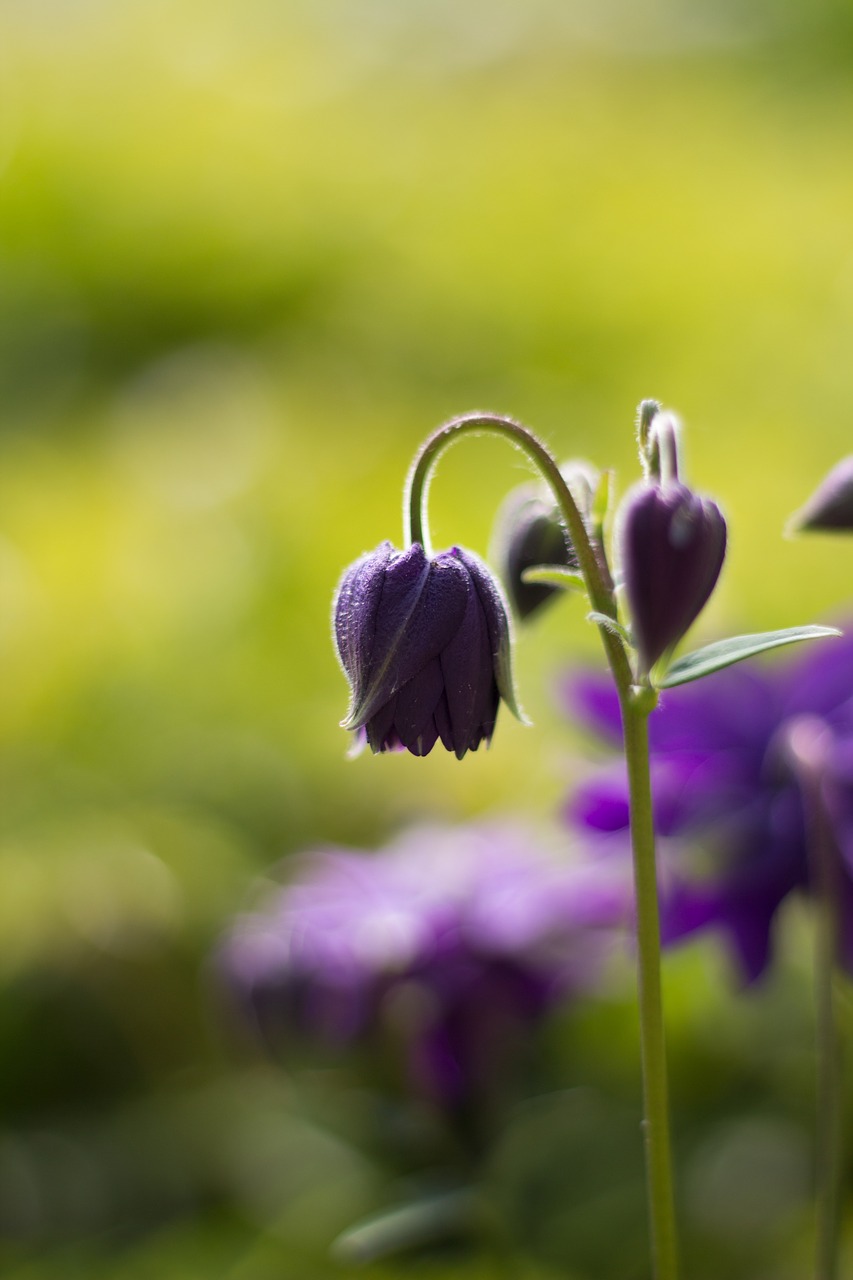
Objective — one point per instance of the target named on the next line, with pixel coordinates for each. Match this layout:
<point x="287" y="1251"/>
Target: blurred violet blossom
<point x="451" y="944"/>
<point x="727" y="795"/>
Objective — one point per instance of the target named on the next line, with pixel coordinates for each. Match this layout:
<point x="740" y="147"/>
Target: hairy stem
<point x="600" y="592"/>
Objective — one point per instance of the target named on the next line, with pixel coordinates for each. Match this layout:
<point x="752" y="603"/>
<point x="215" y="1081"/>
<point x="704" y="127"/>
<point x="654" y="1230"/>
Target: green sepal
<point x="505" y="680"/>
<point x="425" y="1221"/>
<point x="724" y="653"/>
<point x="611" y="624"/>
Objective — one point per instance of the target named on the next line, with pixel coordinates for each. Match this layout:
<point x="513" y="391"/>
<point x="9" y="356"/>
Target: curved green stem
<point x="598" y="589"/>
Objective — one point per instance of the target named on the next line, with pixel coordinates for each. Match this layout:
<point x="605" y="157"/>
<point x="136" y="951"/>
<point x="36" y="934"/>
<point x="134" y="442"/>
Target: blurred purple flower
<point x="451" y="944"/>
<point x="425" y="644"/>
<point x="727" y="798"/>
<point x="830" y="507"/>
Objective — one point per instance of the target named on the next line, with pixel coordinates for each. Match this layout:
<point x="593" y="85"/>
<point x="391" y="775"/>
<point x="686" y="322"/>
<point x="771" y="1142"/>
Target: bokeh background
<point x="250" y="254"/>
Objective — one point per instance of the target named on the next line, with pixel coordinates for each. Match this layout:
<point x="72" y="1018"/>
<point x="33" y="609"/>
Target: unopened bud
<point x="672" y="547"/>
<point x="529" y="532"/>
<point x="830" y="508"/>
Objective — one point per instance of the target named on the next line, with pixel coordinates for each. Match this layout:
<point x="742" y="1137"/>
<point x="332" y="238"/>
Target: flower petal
<point x="420" y="609"/>
<point x="830" y="508"/>
<point x="354" y="612"/>
<point x="469" y="683"/>
<point x="498" y="625"/>
<point x="415" y="706"/>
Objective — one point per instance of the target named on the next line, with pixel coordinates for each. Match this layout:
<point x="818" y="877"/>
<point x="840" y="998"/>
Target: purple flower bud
<point x="672" y="548"/>
<point x="425" y="645"/>
<point x="529" y="532"/>
<point x="831" y="506"/>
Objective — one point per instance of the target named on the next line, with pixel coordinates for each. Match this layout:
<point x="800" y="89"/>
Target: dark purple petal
<point x="750" y="926"/>
<point x="738" y="707"/>
<point x="442" y="722"/>
<point x="601" y="805"/>
<point x="414" y="714"/>
<point x="746" y="920"/>
<point x="845" y="920"/>
<point x="381" y="733"/>
<point x="830" y="508"/>
<point x="463" y="663"/>
<point x="685" y="908"/>
<point x="469" y="683"/>
<point x="722" y="776"/>
<point x="420" y="609"/>
<point x="497" y="625"/>
<point x="672" y="545"/>
<point x="426" y="646"/>
<point x="594" y="702"/>
<point x="821" y="683"/>
<point x="354" y="613"/>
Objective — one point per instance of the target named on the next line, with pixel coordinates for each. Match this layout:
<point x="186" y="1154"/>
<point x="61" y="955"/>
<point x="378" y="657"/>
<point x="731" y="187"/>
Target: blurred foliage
<point x="250" y="254"/>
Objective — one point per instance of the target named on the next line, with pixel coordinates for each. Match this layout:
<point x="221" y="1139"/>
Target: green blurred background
<point x="250" y="254"/>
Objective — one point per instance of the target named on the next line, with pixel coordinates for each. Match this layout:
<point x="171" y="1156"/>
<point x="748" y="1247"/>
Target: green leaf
<point x="407" y="1226"/>
<point x="555" y="575"/>
<point x="724" y="653"/>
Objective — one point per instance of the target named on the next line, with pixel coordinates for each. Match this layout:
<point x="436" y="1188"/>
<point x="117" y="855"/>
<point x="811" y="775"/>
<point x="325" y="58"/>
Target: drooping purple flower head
<point x="830" y="508"/>
<point x="447" y="948"/>
<point x="672" y="544"/>
<point x="425" y="644"/>
<point x="728" y="798"/>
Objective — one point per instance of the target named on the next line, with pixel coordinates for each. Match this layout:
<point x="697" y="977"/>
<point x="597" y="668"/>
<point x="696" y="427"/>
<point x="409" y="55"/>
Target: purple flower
<point x="728" y="797"/>
<point x="672" y="547"/>
<point x="449" y="946"/>
<point x="425" y="645"/>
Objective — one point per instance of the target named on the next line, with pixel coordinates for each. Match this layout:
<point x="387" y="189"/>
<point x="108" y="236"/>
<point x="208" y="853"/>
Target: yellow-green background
<point x="250" y="254"/>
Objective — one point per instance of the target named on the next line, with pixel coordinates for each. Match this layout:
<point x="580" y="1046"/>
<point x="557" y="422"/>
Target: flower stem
<point x="828" y="1040"/>
<point x="636" y="706"/>
<point x="599" y="590"/>
<point x="809" y="745"/>
<point x="829" y="1099"/>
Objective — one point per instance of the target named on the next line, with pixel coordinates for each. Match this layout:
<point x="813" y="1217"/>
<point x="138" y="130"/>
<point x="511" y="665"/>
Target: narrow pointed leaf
<point x="425" y="1221"/>
<point x="554" y="575"/>
<point x="724" y="653"/>
<point x="605" y="620"/>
